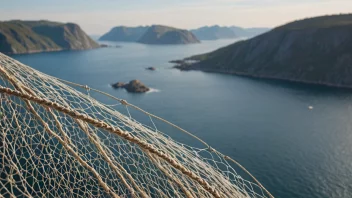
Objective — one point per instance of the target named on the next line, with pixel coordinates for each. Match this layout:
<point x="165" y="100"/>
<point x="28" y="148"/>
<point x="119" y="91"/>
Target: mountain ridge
<point x="226" y="32"/>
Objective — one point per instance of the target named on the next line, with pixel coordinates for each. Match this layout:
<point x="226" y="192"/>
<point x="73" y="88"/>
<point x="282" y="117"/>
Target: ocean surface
<point x="263" y="124"/>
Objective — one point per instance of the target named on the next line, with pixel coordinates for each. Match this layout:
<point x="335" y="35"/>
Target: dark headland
<point x="315" y="50"/>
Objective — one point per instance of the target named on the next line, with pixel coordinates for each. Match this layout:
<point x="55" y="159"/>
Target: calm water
<point x="265" y="125"/>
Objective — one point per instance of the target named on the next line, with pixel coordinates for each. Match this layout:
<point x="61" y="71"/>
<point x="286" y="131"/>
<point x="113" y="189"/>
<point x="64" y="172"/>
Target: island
<point x="315" y="50"/>
<point x="214" y="32"/>
<point x="134" y="86"/>
<point x="20" y="37"/>
<point x="155" y="34"/>
<point x="125" y="34"/>
<point x="158" y="34"/>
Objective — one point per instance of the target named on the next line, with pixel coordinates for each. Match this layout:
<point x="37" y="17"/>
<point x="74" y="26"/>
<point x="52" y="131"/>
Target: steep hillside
<point x="316" y="50"/>
<point x="122" y="33"/>
<point x="158" y="34"/>
<point x="17" y="37"/>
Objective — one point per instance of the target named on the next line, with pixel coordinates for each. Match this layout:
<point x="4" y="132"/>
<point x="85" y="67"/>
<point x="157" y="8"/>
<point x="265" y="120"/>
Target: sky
<point x="97" y="17"/>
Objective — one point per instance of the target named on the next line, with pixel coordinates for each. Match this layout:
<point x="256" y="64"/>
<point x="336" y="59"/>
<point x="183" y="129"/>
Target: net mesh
<point x="47" y="151"/>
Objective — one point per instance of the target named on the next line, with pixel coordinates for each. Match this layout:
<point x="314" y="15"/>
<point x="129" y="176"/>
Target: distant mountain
<point x="315" y="50"/>
<point x="248" y="32"/>
<point x="158" y="34"/>
<point x="222" y="32"/>
<point x="123" y="33"/>
<point x="95" y="37"/>
<point x="214" y="32"/>
<point x="17" y="37"/>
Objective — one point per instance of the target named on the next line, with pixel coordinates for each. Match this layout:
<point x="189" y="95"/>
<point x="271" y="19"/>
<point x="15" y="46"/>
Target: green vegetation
<point x="17" y="37"/>
<point x="316" y="50"/>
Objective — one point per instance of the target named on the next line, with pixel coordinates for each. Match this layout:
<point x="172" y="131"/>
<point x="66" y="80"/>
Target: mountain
<point x="213" y="33"/>
<point x="95" y="37"/>
<point x="123" y="33"/>
<point x="158" y="34"/>
<point x="217" y="32"/>
<point x="248" y="32"/>
<point x="17" y="37"/>
<point x="315" y="50"/>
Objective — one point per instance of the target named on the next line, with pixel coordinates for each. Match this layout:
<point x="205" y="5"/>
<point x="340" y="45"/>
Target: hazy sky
<point x="99" y="16"/>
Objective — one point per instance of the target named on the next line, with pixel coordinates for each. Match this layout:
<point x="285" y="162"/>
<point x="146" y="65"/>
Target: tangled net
<point x="56" y="141"/>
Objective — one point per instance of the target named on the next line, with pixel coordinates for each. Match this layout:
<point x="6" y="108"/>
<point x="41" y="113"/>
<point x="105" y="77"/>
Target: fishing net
<point x="57" y="141"/>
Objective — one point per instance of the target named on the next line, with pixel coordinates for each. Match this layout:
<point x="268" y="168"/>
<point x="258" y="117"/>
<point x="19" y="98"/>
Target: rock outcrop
<point x="118" y="85"/>
<point x="134" y="86"/>
<point x="151" y="68"/>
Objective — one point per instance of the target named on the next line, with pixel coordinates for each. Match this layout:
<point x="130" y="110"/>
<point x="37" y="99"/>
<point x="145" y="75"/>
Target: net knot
<point x="11" y="180"/>
<point x="124" y="102"/>
<point x="87" y="87"/>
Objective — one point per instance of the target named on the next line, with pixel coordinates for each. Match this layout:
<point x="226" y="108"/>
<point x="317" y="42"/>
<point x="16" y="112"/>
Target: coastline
<point x="184" y="67"/>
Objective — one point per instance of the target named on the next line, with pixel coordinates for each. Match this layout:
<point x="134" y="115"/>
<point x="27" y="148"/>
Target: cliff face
<point x="316" y="50"/>
<point x="17" y="37"/>
<point x="122" y="33"/>
<point x="158" y="34"/>
<point x="214" y="33"/>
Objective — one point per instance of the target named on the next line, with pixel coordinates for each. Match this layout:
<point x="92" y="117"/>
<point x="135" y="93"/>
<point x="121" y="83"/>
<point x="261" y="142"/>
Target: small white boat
<point x="310" y="107"/>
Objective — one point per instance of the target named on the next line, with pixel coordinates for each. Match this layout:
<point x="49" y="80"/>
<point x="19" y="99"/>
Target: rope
<point x="117" y="131"/>
<point x="64" y="143"/>
<point x="157" y="158"/>
<point x="124" y="102"/>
